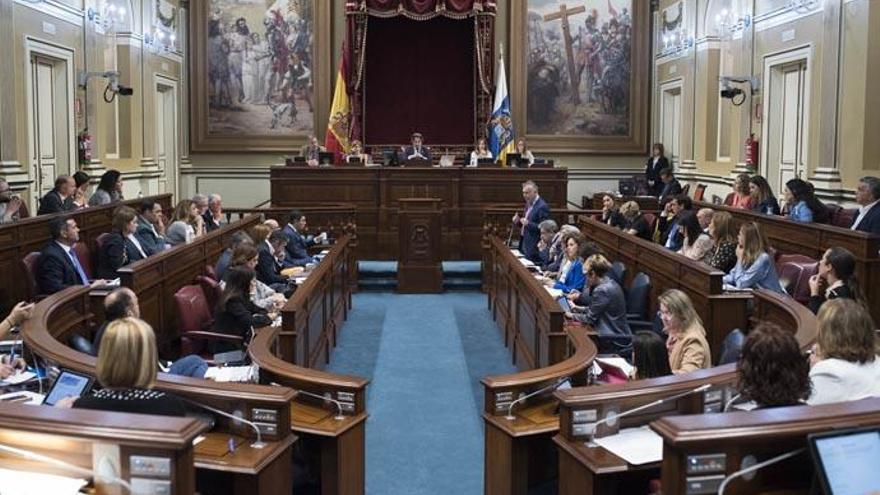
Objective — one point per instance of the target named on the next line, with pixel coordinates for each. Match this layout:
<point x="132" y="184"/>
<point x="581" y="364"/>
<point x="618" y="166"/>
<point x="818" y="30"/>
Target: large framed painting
<point x="260" y="73"/>
<point x="580" y="74"/>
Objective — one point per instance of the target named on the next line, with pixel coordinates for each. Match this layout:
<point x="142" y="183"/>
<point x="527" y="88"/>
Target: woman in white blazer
<point x="844" y="363"/>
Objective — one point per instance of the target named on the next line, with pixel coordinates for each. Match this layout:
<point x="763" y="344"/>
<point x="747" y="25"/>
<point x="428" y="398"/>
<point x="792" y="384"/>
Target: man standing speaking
<point x="534" y="212"/>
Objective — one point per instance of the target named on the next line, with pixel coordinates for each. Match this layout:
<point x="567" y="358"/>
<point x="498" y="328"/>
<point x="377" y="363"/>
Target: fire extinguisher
<point x="84" y="145"/>
<point x="752" y="151"/>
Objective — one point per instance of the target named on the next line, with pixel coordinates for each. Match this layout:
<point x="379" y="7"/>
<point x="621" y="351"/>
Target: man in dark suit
<point x="417" y="150"/>
<point x="671" y="235"/>
<point x="868" y="195"/>
<point x="58" y="267"/>
<point x="214" y="215"/>
<point x="606" y="311"/>
<point x="59" y="199"/>
<point x="534" y="212"/>
<point x="151" y="227"/>
<point x="268" y="268"/>
<point x="298" y="241"/>
<point x="671" y="186"/>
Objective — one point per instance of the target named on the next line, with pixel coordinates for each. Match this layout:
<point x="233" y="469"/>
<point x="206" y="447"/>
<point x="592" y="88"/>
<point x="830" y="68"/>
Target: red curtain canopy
<point x="421" y="9"/>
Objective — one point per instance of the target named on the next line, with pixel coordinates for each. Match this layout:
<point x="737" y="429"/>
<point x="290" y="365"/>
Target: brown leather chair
<point x="211" y="289"/>
<point x="29" y="267"/>
<point x="794" y="272"/>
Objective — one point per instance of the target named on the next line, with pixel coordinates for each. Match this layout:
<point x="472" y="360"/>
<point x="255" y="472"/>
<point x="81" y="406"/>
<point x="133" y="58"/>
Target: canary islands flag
<point x="501" y="124"/>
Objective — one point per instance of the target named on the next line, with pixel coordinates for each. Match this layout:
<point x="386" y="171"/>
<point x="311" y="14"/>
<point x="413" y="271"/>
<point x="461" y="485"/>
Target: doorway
<point x="51" y="133"/>
<point x="166" y="134"/>
<point x="786" y="117"/>
<point x="670" y="121"/>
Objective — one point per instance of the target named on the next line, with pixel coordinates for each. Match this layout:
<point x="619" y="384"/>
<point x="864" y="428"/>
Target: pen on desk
<point x="231" y="444"/>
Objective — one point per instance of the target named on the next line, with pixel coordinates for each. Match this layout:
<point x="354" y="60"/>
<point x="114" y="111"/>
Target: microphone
<point x="730" y="402"/>
<point x="612" y="418"/>
<point x="256" y="445"/>
<point x="339" y="416"/>
<point x="757" y="467"/>
<point x="511" y="417"/>
<point x="33" y="456"/>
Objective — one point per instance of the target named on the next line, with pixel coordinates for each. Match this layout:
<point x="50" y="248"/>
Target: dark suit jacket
<point x="871" y="222"/>
<point x="52" y="203"/>
<point x="297" y="248"/>
<point x="234" y="318"/>
<point x="267" y="269"/>
<point x="652" y="173"/>
<point x="606" y="312"/>
<point x="669" y="190"/>
<point x="55" y="271"/>
<point x="210" y="224"/>
<point x="409" y="151"/>
<point x="151" y="243"/>
<point x="528" y="244"/>
<point x="116" y="252"/>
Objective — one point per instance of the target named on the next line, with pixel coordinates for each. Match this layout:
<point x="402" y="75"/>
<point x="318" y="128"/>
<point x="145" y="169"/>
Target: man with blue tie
<point x="58" y="267"/>
<point x="534" y="212"/>
<point x="868" y="195"/>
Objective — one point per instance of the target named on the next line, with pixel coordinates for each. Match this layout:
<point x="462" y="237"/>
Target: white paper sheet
<point x="618" y="363"/>
<point x="30" y="483"/>
<point x="634" y="445"/>
<point x="18" y="378"/>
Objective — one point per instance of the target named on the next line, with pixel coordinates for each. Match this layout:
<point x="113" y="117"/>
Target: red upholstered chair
<point x="23" y="211"/>
<point x="686" y="189"/>
<point x="85" y="258"/>
<point x="728" y="201"/>
<point x="652" y="221"/>
<point x="29" y="267"/>
<point x="194" y="321"/>
<point x="794" y="272"/>
<point x="699" y="192"/>
<point x="99" y="243"/>
<point x="212" y="273"/>
<point x="211" y="289"/>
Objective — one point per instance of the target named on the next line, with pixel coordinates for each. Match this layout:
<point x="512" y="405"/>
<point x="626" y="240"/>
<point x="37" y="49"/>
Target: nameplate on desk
<point x="346" y="396"/>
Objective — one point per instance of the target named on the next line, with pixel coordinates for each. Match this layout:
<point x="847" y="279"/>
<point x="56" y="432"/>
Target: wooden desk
<point x="244" y="471"/>
<point x="720" y="312"/>
<point x="311" y="320"/>
<point x="375" y="192"/>
<point x="517" y="450"/>
<point x="157" y="278"/>
<point x="585" y="469"/>
<point x="420" y="267"/>
<point x="760" y="435"/>
<point x="813" y="239"/>
<point x="84" y="438"/>
<point x="646" y="203"/>
<point x="32" y="234"/>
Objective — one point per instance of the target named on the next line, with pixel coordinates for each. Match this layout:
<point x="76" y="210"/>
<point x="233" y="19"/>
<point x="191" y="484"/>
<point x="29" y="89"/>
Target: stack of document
<point x="616" y="362"/>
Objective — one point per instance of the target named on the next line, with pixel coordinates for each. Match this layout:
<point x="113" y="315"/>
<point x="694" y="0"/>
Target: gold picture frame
<point x="635" y="139"/>
<point x="204" y="139"/>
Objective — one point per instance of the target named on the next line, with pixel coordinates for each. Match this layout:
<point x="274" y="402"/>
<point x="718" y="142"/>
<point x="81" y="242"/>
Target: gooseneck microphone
<point x="553" y="386"/>
<point x="339" y="416"/>
<point x="612" y="418"/>
<point x="33" y="456"/>
<point x="257" y="445"/>
<point x="757" y="467"/>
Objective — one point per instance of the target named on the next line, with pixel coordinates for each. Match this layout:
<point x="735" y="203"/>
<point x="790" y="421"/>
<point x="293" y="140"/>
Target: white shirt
<point x="862" y="212"/>
<point x="836" y="380"/>
<point x="475" y="155"/>
<point x="271" y="249"/>
<point x="134" y="240"/>
<point x="67" y="249"/>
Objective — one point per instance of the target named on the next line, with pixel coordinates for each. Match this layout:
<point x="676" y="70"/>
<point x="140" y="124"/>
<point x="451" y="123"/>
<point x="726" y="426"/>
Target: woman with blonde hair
<point x="187" y="223"/>
<point x="127" y="369"/>
<point x="754" y="267"/>
<point x="742" y="197"/>
<point x="723" y="254"/>
<point x="634" y="221"/>
<point x="687" y="345"/>
<point x="844" y="362"/>
<point x="525" y="154"/>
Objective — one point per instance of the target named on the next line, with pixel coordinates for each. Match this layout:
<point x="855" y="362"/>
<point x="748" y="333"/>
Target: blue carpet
<point x="424" y="356"/>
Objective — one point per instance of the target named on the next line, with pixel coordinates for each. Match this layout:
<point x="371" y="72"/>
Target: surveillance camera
<point x="731" y="93"/>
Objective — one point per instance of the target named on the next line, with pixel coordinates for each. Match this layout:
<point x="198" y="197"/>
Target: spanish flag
<point x="339" y="125"/>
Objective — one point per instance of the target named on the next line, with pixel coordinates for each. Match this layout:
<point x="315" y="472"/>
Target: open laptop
<point x="847" y="461"/>
<point x="68" y="384"/>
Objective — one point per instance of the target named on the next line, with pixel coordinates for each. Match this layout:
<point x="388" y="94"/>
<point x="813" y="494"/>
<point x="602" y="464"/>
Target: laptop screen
<point x="848" y="462"/>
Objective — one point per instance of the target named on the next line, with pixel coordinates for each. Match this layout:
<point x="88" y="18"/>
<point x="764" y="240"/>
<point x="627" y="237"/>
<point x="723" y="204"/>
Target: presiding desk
<point x="90" y="440"/>
<point x="719" y="311"/>
<point x="376" y="191"/>
<point x="591" y="469"/>
<point x="244" y="470"/>
<point x="329" y="413"/>
<point x="32" y="234"/>
<point x="519" y="411"/>
<point x="813" y="239"/>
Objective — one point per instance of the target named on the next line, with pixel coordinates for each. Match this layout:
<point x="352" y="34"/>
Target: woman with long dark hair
<point x="109" y="189"/>
<point x="836" y="279"/>
<point x="802" y="202"/>
<point x="656" y="162"/>
<point x="235" y="310"/>
<point x="697" y="244"/>
<point x="763" y="199"/>
<point x="650" y="357"/>
<point x="773" y="372"/>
